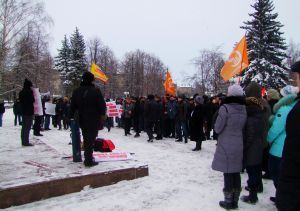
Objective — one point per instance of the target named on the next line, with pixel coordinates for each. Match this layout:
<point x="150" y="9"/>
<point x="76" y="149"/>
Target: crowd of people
<point x="254" y="132"/>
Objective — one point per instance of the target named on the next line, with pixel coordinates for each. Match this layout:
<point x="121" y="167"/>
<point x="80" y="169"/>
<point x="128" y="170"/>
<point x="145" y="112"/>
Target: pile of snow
<point x="179" y="179"/>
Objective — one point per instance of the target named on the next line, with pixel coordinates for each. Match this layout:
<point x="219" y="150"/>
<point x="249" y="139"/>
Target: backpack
<point x="103" y="145"/>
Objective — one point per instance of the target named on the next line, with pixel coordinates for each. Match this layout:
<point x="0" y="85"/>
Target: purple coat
<point x="229" y="125"/>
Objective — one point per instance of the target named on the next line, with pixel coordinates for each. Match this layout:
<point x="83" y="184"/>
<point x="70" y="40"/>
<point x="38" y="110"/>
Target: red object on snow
<point x="104" y="145"/>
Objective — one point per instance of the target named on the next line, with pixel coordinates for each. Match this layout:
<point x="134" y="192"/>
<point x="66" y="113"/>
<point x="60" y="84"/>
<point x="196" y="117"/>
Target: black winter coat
<point x="17" y="108"/>
<point x="2" y="108"/>
<point x="196" y="124"/>
<point x="90" y="104"/>
<point x="253" y="135"/>
<point x="26" y="101"/>
<point x="150" y="112"/>
<point x="289" y="179"/>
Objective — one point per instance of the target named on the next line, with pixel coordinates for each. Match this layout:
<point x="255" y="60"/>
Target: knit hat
<point x="296" y="67"/>
<point x="27" y="83"/>
<point x="253" y="90"/>
<point x="87" y="77"/>
<point x="199" y="100"/>
<point x="235" y="91"/>
<point x="273" y="94"/>
<point x="287" y="90"/>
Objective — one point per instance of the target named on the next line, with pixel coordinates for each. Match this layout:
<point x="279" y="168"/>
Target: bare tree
<point x="208" y="64"/>
<point x="15" y="18"/>
<point x="143" y="73"/>
<point x="104" y="57"/>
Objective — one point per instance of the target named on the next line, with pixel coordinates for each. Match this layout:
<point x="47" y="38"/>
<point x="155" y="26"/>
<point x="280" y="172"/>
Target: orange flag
<point x="169" y="86"/>
<point x="98" y="73"/>
<point x="237" y="62"/>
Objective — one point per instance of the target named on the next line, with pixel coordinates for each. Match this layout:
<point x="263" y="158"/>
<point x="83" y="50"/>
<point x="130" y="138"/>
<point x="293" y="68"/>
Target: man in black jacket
<point x="88" y="101"/>
<point x="288" y="190"/>
<point x="26" y="101"/>
<point x="150" y="116"/>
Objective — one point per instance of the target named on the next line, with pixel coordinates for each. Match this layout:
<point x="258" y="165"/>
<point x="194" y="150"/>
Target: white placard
<point x="50" y="108"/>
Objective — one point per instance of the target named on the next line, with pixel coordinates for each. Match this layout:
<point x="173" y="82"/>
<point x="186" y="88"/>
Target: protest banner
<point x="50" y="108"/>
<point x="111" y="156"/>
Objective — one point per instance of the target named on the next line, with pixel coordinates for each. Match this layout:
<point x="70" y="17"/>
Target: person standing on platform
<point x="26" y="100"/>
<point x="89" y="103"/>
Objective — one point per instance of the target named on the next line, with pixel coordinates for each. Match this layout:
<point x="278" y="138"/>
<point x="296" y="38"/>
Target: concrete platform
<point x="22" y="194"/>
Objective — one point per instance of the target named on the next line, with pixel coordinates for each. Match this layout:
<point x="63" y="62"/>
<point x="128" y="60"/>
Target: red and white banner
<point x="111" y="156"/>
<point x="114" y="110"/>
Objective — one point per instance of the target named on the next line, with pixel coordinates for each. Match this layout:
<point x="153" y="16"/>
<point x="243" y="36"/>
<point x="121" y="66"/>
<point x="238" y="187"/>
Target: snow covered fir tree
<point x="266" y="47"/>
<point x="63" y="62"/>
<point x="71" y="61"/>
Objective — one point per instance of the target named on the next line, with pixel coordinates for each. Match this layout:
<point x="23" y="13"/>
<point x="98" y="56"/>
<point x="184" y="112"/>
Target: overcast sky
<point x="173" y="30"/>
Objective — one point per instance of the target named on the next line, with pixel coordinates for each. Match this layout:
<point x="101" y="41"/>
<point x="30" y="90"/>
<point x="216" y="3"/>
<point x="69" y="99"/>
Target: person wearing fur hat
<point x="228" y="157"/>
<point x="253" y="140"/>
<point x="288" y="189"/>
<point x="272" y="97"/>
<point x="91" y="107"/>
<point x="26" y="100"/>
<point x="196" y="123"/>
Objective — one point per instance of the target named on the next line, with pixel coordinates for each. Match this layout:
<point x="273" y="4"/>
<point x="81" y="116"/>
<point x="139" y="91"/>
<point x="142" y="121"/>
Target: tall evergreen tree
<point x="78" y="58"/>
<point x="63" y="62"/>
<point x="266" y="47"/>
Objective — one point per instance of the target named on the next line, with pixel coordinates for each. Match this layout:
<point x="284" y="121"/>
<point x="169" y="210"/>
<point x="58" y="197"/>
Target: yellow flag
<point x="98" y="73"/>
<point x="237" y="62"/>
<point x="169" y="86"/>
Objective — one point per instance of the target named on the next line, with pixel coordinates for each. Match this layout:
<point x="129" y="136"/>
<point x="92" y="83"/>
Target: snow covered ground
<point x="179" y="179"/>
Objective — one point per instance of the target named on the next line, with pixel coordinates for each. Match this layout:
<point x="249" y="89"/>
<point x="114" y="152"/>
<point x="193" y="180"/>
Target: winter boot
<point x="198" y="146"/>
<point x="228" y="201"/>
<point x="251" y="199"/>
<point x="236" y="196"/>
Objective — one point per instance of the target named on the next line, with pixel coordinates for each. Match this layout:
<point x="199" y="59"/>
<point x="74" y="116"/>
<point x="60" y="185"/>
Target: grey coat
<point x="229" y="125"/>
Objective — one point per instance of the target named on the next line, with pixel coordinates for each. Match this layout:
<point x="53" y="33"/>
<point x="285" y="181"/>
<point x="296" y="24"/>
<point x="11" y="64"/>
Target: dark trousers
<point x="66" y="123"/>
<point x="181" y="127"/>
<point x="287" y="201"/>
<point x="37" y="125"/>
<point x="232" y="181"/>
<point x="166" y="127"/>
<point x="254" y="177"/>
<point x="59" y="119"/>
<point x="26" y="126"/>
<point x="136" y="124"/>
<point x="149" y="128"/>
<point x="127" y="125"/>
<point x="47" y="122"/>
<point x="172" y="127"/>
<point x="265" y="161"/>
<point x="89" y="137"/>
<point x="158" y="128"/>
<point x="274" y="168"/>
<point x="18" y="118"/>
